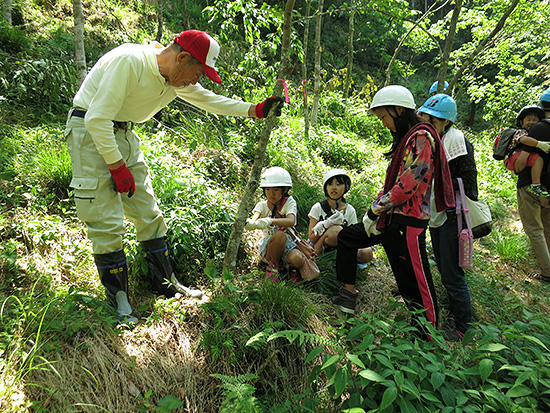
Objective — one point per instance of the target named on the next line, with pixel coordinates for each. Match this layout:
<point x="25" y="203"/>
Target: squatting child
<point x="274" y="215"/>
<point x="327" y="218"/>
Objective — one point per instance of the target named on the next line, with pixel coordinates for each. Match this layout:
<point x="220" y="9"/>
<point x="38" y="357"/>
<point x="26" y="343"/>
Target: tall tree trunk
<point x="159" y="21"/>
<point x="6" y="11"/>
<point x="304" y="68"/>
<point x="482" y="45"/>
<point x="246" y="205"/>
<point x="349" y="67"/>
<point x="443" y="66"/>
<point x="318" y="50"/>
<point x="472" y="114"/>
<point x="186" y="25"/>
<point x="79" y="51"/>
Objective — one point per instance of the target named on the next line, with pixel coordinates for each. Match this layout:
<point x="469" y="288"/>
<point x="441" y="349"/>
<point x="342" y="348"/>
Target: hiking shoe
<point x="272" y="273"/>
<point x="538" y="190"/>
<point x="345" y="300"/>
<point x="538" y="276"/>
<point x="294" y="276"/>
<point x="127" y="321"/>
<point x="453" y="334"/>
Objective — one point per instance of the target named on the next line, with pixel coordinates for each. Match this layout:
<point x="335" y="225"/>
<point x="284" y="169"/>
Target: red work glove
<point x="123" y="180"/>
<point x="263" y="108"/>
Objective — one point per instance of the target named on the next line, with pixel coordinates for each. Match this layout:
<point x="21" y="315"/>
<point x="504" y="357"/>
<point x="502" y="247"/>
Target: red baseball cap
<point x="203" y="48"/>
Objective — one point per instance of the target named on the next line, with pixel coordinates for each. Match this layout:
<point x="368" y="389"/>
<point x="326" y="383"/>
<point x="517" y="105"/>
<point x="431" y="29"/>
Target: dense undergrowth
<point x="248" y="346"/>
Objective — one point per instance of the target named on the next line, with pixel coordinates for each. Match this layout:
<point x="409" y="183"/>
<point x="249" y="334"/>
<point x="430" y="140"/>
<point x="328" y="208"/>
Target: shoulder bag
<point x="465" y="236"/>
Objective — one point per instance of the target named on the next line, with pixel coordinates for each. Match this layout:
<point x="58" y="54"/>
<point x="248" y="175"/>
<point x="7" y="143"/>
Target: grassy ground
<point x="60" y="350"/>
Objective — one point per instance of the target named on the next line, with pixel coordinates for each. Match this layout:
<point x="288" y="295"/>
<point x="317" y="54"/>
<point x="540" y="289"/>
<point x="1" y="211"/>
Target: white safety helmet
<point x="274" y="177"/>
<point x="393" y="95"/>
<point x="336" y="172"/>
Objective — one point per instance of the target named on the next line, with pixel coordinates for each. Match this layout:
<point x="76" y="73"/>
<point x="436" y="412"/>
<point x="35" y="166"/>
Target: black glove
<point x="263" y="108"/>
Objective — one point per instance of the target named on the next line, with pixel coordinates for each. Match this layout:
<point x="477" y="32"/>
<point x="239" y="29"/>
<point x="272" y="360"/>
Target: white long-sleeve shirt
<point x="126" y="85"/>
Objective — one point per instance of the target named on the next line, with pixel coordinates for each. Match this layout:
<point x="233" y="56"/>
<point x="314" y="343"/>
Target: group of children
<point x="427" y="158"/>
<point x="276" y="215"/>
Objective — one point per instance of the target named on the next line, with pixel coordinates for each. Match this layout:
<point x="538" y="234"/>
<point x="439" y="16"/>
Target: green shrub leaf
<point x="493" y="347"/>
<point x="356" y="331"/>
<point x="388" y="397"/>
<point x="340" y="381"/>
<point x="406" y="406"/>
<point x="430" y="397"/>
<point x="512" y="367"/>
<point x="169" y="403"/>
<point x="537" y="341"/>
<point x="313" y="354"/>
<point x="355" y="360"/>
<point x="330" y="361"/>
<point x="409" y="387"/>
<point x="371" y="375"/>
<point x="437" y="380"/>
<point x="485" y="368"/>
<point x="519" y="391"/>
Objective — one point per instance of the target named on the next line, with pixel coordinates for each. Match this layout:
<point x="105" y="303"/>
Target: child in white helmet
<point x="274" y="215"/>
<point x="327" y="218"/>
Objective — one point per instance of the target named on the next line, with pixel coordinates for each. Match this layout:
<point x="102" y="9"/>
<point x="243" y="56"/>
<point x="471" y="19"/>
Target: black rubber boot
<point x="160" y="269"/>
<point x="113" y="272"/>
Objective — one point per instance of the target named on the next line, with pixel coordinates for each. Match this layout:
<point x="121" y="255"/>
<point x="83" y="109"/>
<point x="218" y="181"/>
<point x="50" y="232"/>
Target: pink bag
<point x="465" y="236"/>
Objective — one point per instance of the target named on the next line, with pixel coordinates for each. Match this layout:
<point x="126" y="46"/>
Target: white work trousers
<point x="97" y="204"/>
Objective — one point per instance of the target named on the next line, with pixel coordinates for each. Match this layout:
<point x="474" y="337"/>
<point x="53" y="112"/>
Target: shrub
<point x="336" y="150"/>
<point x="377" y="364"/>
<point x="43" y="88"/>
<point x="12" y="39"/>
<point x="351" y="116"/>
<point x="239" y="319"/>
<point x="198" y="213"/>
<point x="222" y="167"/>
<point x="38" y="158"/>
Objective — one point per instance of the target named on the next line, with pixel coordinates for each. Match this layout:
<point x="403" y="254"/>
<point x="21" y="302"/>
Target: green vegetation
<point x="250" y="345"/>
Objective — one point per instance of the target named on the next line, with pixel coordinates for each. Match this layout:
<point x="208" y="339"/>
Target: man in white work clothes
<point x="129" y="85"/>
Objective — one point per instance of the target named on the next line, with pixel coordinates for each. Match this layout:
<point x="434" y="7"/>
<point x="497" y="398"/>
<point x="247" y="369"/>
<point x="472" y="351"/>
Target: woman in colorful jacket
<point x="399" y="216"/>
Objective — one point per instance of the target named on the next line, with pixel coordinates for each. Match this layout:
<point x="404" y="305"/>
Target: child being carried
<point x="527" y="117"/>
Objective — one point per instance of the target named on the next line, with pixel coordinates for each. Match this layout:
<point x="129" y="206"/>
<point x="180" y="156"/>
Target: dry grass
<point x="115" y="372"/>
<point x="106" y="370"/>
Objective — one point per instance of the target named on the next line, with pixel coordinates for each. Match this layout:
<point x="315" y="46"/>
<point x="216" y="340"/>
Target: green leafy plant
<point x="377" y="363"/>
<point x="239" y="395"/>
<point x="510" y="246"/>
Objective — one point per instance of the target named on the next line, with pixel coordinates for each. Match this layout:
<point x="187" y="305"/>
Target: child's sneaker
<point x="294" y="276"/>
<point x="345" y="300"/>
<point x="538" y="190"/>
<point x="272" y="272"/>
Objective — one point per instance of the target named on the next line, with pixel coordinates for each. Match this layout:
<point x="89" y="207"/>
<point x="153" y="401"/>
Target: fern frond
<point x="310" y="338"/>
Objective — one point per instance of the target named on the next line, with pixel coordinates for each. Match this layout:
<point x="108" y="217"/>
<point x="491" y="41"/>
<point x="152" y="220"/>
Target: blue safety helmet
<point x="545" y="100"/>
<point x="433" y="89"/>
<point x="441" y="106"/>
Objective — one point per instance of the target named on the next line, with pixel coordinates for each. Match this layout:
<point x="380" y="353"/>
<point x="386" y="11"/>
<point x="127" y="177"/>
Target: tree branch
<point x="443" y="66"/>
<point x="482" y="45"/>
<point x="398" y="48"/>
<point x="246" y="205"/>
